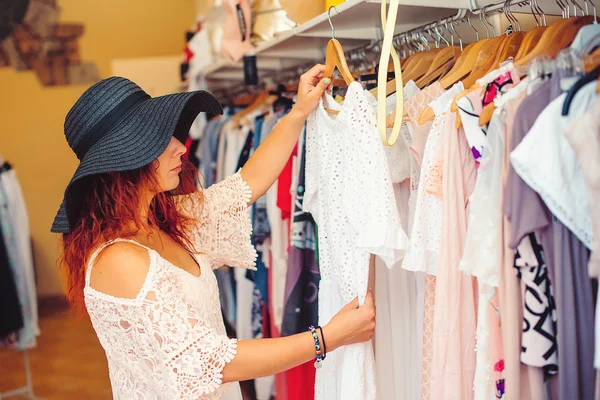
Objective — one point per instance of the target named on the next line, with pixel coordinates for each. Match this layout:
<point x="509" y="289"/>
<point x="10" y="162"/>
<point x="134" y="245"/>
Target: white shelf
<point x="357" y="23"/>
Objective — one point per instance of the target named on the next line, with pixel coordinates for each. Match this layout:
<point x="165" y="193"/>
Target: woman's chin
<point x="172" y="184"/>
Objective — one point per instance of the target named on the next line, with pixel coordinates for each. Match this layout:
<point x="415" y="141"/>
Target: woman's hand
<point x="352" y="324"/>
<point x="264" y="357"/>
<point x="310" y="89"/>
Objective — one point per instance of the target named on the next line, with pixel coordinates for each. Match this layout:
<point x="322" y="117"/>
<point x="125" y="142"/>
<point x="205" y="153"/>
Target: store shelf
<point x="357" y="23"/>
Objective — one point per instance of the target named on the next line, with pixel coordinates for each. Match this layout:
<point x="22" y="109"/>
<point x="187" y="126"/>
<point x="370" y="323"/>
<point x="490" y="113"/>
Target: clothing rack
<point x="374" y="47"/>
<point x="26" y="390"/>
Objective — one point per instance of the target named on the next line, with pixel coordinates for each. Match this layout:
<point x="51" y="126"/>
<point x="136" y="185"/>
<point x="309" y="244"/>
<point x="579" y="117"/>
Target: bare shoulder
<point x="120" y="270"/>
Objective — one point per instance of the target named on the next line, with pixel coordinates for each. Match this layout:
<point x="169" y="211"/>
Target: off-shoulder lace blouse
<point x="169" y="342"/>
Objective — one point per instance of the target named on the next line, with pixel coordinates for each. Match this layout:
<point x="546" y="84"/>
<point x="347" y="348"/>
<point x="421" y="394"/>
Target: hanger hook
<point x="564" y="8"/>
<point x="441" y="36"/>
<point x="471" y="25"/>
<point x="487" y="31"/>
<point x="505" y="12"/>
<point x="453" y="25"/>
<point x="542" y="13"/>
<point x="517" y="24"/>
<point x="486" y="20"/>
<point x="576" y="6"/>
<point x="444" y="27"/>
<point x="329" y="19"/>
<point x="533" y="10"/>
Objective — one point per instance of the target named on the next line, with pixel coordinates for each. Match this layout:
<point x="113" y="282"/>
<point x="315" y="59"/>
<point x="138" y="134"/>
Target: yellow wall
<point x="31" y="116"/>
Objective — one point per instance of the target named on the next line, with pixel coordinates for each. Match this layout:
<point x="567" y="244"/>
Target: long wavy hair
<point x="109" y="206"/>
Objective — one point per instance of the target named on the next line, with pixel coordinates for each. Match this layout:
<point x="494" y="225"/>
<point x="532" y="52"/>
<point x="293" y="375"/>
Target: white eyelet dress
<point x="169" y="342"/>
<point x="349" y="193"/>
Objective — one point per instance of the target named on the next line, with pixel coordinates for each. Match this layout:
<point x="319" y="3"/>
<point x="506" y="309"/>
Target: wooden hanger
<point x="485" y="57"/>
<point x="555" y="38"/>
<point x="335" y="58"/>
<point x="421" y="65"/>
<point x="529" y="41"/>
<point x="511" y="48"/>
<point x="262" y="99"/>
<point x="462" y="67"/>
<point x="439" y="65"/>
<point x="566" y="32"/>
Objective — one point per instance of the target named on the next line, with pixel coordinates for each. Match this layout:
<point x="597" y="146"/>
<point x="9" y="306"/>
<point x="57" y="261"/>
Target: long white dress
<point x="398" y="362"/>
<point x="350" y="195"/>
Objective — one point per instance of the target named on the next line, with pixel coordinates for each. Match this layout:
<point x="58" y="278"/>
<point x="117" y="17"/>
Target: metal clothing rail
<point x="416" y="36"/>
<point x="26" y="390"/>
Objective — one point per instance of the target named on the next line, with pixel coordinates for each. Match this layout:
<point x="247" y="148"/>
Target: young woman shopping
<point x="140" y="240"/>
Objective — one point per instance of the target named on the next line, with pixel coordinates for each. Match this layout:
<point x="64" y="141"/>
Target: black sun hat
<point x="115" y="126"/>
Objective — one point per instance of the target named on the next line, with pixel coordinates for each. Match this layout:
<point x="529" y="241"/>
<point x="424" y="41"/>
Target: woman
<point x="140" y="241"/>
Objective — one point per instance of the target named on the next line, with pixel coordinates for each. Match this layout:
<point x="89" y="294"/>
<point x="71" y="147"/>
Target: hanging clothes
<point x="574" y="296"/>
<point x="398" y="361"/>
<point x="342" y="154"/>
<point x="11" y="316"/>
<point x="454" y="322"/>
<point x="15" y="230"/>
<point x="414" y="105"/>
<point x="583" y="137"/>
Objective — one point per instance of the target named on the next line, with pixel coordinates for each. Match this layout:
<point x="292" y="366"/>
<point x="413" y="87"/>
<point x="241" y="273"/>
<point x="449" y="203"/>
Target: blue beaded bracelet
<point x="319" y="359"/>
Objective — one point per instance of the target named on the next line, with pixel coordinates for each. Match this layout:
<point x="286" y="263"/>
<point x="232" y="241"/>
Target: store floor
<point x="68" y="362"/>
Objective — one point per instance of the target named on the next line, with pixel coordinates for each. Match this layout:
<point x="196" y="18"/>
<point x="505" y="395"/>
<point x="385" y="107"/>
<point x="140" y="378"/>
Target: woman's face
<point x="169" y="165"/>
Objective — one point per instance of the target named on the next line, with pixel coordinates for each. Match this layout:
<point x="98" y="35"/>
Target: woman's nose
<point x="180" y="149"/>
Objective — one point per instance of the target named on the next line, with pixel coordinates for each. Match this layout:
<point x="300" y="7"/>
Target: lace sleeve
<point x="225" y="227"/>
<point x="162" y="338"/>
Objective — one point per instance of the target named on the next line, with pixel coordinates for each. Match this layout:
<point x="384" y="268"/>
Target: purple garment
<point x="522" y="206"/>
<point x="566" y="258"/>
<point x="575" y="306"/>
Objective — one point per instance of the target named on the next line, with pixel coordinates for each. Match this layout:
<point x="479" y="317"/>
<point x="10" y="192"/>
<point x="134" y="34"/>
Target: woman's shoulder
<point x="119" y="268"/>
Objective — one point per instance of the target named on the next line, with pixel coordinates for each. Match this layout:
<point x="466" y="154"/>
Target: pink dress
<point x="453" y="364"/>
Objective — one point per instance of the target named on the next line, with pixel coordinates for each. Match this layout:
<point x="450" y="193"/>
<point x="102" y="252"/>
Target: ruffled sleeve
<point x="226" y="225"/>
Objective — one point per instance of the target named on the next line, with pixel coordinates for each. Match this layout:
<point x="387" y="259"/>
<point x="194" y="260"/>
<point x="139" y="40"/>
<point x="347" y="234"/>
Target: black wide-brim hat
<point x="115" y="126"/>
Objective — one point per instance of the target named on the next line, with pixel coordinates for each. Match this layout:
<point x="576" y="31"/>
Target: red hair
<point x="109" y="208"/>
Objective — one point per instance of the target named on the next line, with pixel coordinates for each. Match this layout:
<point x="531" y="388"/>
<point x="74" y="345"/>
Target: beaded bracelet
<point x="324" y="344"/>
<point x="317" y="347"/>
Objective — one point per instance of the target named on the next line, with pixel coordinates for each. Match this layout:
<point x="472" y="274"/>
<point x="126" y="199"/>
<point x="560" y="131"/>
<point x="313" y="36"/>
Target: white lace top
<point x="349" y="193"/>
<point x="169" y="342"/>
<point x="425" y="236"/>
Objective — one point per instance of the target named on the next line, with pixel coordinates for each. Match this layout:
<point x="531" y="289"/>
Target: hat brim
<point x="141" y="137"/>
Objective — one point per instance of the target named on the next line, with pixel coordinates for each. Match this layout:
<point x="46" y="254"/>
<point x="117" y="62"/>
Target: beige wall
<point x="31" y="116"/>
<point x="156" y="75"/>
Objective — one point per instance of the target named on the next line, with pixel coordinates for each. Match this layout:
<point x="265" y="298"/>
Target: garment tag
<point x="241" y="21"/>
<point x="250" y="70"/>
